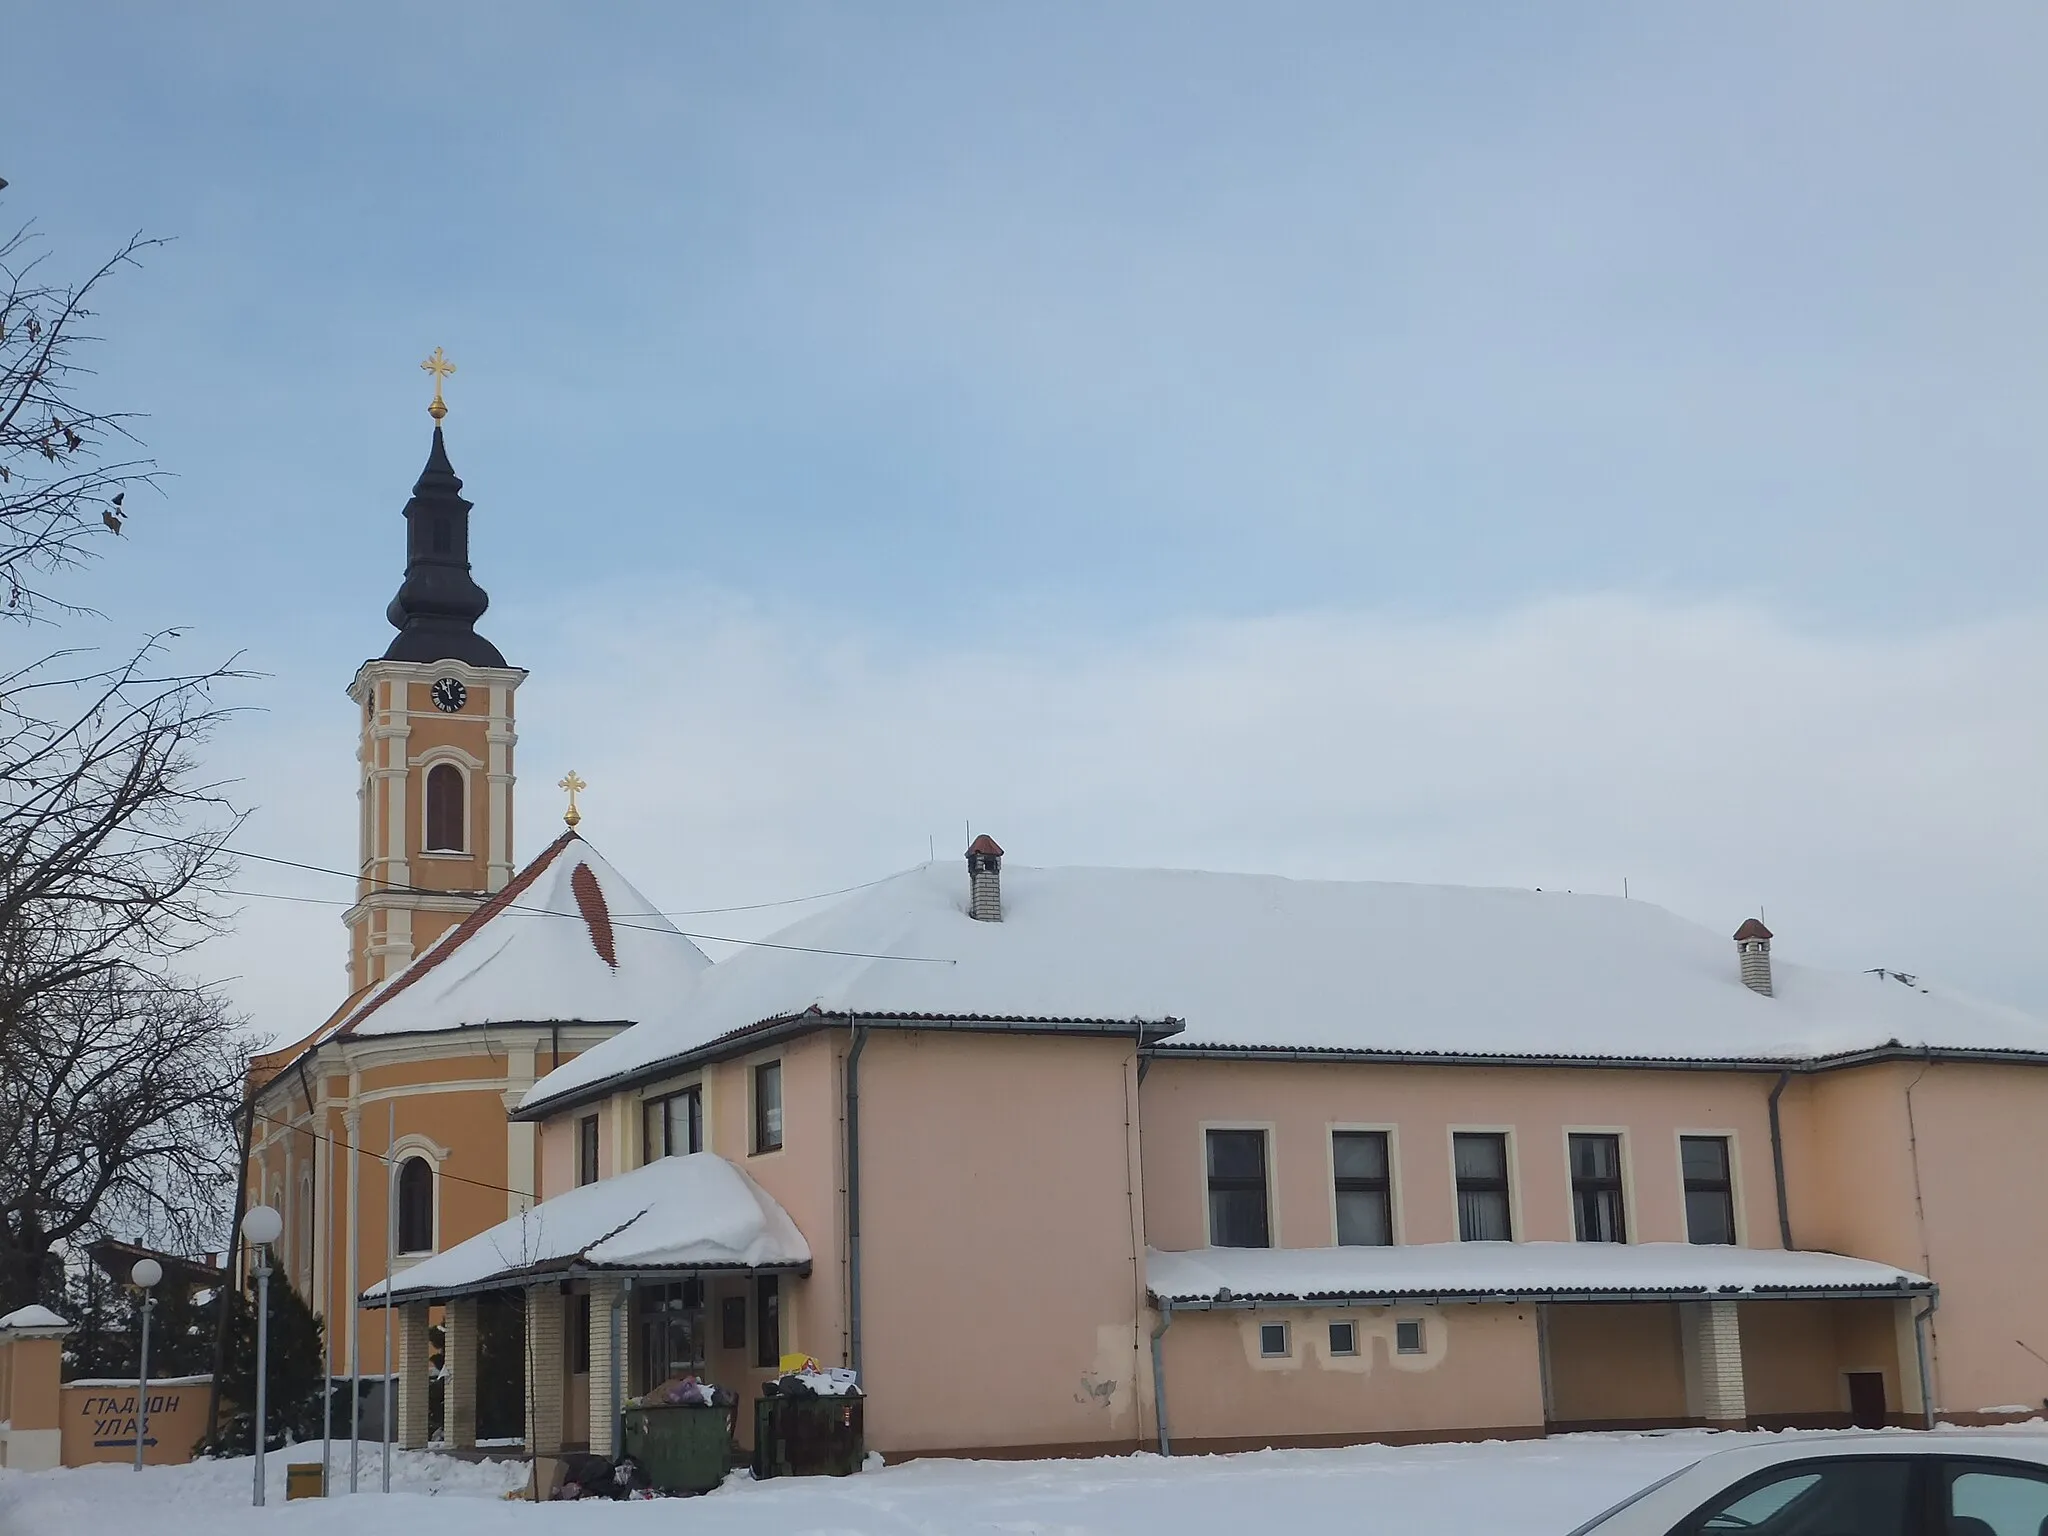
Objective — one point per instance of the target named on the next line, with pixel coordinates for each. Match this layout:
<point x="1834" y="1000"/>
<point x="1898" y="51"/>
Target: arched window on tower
<point x="444" y="809"/>
<point x="415" y="1206"/>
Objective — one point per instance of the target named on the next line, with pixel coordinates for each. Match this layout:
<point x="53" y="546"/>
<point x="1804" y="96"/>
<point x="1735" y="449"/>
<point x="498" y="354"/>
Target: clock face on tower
<point x="449" y="695"/>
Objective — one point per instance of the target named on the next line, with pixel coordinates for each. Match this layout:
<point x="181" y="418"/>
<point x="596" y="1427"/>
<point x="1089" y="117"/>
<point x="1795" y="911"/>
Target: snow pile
<point x="569" y="939"/>
<point x="1510" y="1270"/>
<point x="1520" y="1488"/>
<point x="31" y="1317"/>
<point x="1261" y="961"/>
<point x="202" y="1498"/>
<point x="694" y="1212"/>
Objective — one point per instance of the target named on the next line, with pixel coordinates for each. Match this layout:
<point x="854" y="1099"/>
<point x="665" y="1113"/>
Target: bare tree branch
<point x="60" y="488"/>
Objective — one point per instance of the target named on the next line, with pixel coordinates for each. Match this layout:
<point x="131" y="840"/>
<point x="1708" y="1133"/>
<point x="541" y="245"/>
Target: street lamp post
<point x="145" y="1274"/>
<point x="262" y="1226"/>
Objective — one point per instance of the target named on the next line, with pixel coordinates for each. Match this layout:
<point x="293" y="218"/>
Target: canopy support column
<point x="544" y="1370"/>
<point x="459" y="1389"/>
<point x="603" y="1378"/>
<point x="413" y="1370"/>
<point x="1711" y="1339"/>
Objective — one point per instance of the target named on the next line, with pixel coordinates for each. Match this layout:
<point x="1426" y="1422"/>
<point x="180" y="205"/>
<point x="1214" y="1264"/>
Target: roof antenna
<point x="1624" y="887"/>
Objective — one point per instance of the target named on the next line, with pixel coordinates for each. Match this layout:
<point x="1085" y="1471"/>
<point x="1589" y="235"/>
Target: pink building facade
<point x="1087" y="1160"/>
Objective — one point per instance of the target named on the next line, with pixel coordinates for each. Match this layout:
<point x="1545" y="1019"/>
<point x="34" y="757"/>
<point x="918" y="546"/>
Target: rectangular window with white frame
<point x="1239" y="1216"/>
<point x="1480" y="1161"/>
<point x="1707" y="1166"/>
<point x="1362" y="1168"/>
<point x="1599" y="1214"/>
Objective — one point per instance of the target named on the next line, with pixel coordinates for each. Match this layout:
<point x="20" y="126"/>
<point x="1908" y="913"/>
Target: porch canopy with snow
<point x="1696" y="1318"/>
<point x="657" y="1244"/>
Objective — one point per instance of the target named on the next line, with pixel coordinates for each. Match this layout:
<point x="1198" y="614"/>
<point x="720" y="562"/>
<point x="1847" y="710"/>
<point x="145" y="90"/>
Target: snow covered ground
<point x="1526" y="1488"/>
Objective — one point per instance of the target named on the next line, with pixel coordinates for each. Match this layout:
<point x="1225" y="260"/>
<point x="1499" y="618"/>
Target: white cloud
<point x="1877" y="794"/>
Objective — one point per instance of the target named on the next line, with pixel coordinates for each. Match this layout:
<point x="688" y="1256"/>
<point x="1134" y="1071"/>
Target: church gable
<point x="567" y="940"/>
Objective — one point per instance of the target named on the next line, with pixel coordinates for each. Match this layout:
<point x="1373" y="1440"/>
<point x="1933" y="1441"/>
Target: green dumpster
<point x="682" y="1449"/>
<point x="809" y="1436"/>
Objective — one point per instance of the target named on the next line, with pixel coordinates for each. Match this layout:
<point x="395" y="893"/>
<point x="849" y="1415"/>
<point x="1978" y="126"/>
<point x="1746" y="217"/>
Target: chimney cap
<point x="987" y="845"/>
<point x="1752" y="929"/>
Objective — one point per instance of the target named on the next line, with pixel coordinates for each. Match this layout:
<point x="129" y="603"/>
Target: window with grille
<point x="1237" y="1190"/>
<point x="1709" y="1189"/>
<point x="1365" y="1199"/>
<point x="1480" y="1159"/>
<point x="1597" y="1215"/>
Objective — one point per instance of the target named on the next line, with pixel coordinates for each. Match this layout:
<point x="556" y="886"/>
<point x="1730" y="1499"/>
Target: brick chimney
<point x="985" y="880"/>
<point x="1753" y="944"/>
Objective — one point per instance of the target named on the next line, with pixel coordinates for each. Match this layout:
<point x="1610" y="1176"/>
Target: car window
<point x="1989" y="1500"/>
<point x="1855" y="1496"/>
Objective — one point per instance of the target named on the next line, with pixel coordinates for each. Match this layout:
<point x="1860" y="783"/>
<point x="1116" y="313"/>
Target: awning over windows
<point x="679" y="1215"/>
<point x="1209" y="1278"/>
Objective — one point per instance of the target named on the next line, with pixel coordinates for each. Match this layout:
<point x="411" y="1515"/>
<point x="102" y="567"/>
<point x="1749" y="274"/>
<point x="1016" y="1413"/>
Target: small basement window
<point x="1408" y="1338"/>
<point x="1343" y="1338"/>
<point x="1273" y="1340"/>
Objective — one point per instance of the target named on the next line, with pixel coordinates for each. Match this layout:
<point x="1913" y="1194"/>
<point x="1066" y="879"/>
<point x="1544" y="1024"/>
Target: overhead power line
<point x="515" y="906"/>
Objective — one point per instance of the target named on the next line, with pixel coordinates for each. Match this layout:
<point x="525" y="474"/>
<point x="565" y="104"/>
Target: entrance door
<point x="1866" y="1399"/>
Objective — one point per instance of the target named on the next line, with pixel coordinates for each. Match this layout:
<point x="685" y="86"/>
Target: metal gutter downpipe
<point x="860" y="1042"/>
<point x="1920" y="1322"/>
<point x="1159" y="1375"/>
<point x="1778" y="1164"/>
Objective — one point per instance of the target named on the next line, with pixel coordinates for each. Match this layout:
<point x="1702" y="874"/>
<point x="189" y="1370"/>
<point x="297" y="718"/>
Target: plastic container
<point x="809" y="1436"/>
<point x="682" y="1450"/>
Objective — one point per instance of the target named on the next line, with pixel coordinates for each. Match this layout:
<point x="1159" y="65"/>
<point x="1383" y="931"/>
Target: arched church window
<point x="415" y="1206"/>
<point x="444" y="808"/>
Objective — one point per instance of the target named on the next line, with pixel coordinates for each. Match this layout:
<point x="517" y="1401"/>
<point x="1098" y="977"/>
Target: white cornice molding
<point x="379" y="670"/>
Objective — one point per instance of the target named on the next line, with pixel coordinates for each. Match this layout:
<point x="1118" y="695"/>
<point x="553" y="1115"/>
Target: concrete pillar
<point x="602" y="1405"/>
<point x="1710" y="1334"/>
<point x="459" y="1387"/>
<point x="544" y="1370"/>
<point x="413" y="1370"/>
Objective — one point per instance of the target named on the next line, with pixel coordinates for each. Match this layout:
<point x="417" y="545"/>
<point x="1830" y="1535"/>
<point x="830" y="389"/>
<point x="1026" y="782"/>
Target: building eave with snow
<point x="1336" y="1161"/>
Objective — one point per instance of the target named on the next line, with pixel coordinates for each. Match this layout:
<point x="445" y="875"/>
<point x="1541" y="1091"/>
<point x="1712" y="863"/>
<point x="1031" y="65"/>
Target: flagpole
<point x="324" y="1278"/>
<point x="390" y="1267"/>
<point x="354" y="1121"/>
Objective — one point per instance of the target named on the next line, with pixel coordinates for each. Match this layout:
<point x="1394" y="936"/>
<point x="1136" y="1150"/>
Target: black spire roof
<point x="438" y="604"/>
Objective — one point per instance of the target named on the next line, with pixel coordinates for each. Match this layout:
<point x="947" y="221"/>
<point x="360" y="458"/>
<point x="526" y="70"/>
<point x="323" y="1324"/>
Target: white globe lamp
<point x="262" y="1226"/>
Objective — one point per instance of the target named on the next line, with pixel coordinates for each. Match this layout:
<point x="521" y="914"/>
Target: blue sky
<point x="929" y="368"/>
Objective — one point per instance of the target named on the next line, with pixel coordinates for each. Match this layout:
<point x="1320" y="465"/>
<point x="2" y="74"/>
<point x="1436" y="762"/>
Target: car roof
<point x="2025" y="1445"/>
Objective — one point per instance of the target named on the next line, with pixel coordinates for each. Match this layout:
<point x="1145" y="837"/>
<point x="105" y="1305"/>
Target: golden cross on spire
<point x="571" y="783"/>
<point x="439" y="366"/>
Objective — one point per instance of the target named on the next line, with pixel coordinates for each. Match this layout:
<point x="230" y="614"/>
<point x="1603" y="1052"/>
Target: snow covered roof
<point x="33" y="1319"/>
<point x="682" y="1213"/>
<point x="567" y="940"/>
<point x="1511" y="1271"/>
<point x="1262" y="962"/>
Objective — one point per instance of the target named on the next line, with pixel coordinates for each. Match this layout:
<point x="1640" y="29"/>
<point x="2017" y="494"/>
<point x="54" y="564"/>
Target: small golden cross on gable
<point x="571" y="783"/>
<point x="439" y="366"/>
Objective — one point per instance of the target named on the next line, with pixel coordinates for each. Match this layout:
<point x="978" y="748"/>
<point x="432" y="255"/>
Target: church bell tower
<point x="436" y="749"/>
